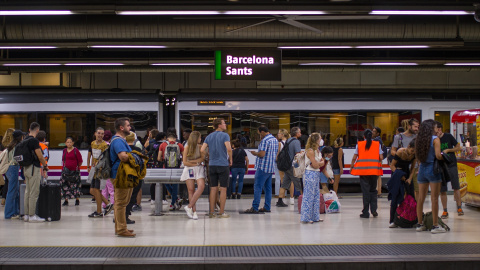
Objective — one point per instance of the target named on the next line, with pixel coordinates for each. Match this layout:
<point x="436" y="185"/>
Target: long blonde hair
<point x="8" y="138"/>
<point x="312" y="142"/>
<point x="192" y="143"/>
<point x="285" y="133"/>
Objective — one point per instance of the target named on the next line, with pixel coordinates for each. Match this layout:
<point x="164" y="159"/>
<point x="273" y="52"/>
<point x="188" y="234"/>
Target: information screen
<point x="248" y="64"/>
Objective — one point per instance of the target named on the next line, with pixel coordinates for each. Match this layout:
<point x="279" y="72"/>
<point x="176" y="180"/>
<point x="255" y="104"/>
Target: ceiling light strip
<point x="34" y="12"/>
<point x="173" y="12"/>
<point x="462" y="64"/>
<point x="181" y="64"/>
<point x="26" y="47"/>
<point x="94" y="64"/>
<point x="127" y="47"/>
<point x="420" y="12"/>
<point x="30" y="64"/>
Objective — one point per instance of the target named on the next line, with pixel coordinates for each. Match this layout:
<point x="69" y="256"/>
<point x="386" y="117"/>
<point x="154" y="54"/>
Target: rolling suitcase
<point x="22" y="201"/>
<point x="322" y="204"/>
<point x="50" y="202"/>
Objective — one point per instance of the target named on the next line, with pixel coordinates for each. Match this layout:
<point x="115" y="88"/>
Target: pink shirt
<point x="72" y="160"/>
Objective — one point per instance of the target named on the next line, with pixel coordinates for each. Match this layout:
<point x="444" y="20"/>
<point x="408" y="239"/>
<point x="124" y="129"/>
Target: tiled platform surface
<point x="275" y="240"/>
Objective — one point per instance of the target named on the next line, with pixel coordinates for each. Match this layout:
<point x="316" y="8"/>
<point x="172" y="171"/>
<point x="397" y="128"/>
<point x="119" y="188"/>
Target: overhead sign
<point x="248" y="64"/>
<point x="211" y="102"/>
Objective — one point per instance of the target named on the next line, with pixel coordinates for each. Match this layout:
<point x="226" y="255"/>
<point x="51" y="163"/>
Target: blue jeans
<point x="12" y="204"/>
<point x="240" y="172"/>
<point x="173" y="189"/>
<point x="263" y="180"/>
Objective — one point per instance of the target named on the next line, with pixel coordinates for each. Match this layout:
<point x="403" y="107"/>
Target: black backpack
<point x="284" y="162"/>
<point x="23" y="155"/>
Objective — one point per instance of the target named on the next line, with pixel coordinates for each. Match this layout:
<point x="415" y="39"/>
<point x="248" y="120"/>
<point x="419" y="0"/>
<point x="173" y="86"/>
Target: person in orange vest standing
<point x="367" y="163"/>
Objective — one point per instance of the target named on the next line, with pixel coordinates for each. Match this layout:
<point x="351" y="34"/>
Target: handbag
<point x="437" y="167"/>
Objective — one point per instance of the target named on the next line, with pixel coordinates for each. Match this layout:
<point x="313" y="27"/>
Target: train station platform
<point x="275" y="240"/>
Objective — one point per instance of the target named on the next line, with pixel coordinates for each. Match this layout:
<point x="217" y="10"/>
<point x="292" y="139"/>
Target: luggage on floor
<point x="50" y="202"/>
<point x="406" y="215"/>
<point x="332" y="204"/>
<point x="322" y="204"/>
<point x="428" y="222"/>
<point x="22" y="197"/>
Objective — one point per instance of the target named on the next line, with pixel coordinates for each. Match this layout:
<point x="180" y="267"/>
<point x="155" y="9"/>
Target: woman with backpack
<point x="368" y="166"/>
<point x="310" y="211"/>
<point x="427" y="149"/>
<point x="193" y="172"/>
<point x="70" y="179"/>
<point x="12" y="204"/>
<point x="6" y="140"/>
<point x="404" y="162"/>
<point x="282" y="136"/>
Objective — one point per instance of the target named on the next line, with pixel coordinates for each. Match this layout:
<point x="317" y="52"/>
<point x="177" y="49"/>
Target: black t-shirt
<point x="448" y="142"/>
<point x="33" y="144"/>
<point x="239" y="158"/>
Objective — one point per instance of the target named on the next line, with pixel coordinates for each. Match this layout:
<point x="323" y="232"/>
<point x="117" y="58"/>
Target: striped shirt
<point x="269" y="144"/>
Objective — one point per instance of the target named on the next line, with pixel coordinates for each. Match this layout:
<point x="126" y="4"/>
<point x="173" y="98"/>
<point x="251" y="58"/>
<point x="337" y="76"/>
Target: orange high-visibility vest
<point x="368" y="161"/>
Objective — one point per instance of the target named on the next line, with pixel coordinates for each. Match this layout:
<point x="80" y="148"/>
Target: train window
<point x="15" y="121"/>
<point x="59" y="126"/>
<point x="349" y="124"/>
<point x="444" y="118"/>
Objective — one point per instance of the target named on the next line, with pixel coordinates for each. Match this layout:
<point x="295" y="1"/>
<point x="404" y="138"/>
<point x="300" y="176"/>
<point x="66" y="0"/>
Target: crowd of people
<point x="415" y="149"/>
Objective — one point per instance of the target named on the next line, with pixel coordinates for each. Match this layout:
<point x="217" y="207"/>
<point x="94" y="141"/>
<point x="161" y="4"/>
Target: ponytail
<point x="368" y="136"/>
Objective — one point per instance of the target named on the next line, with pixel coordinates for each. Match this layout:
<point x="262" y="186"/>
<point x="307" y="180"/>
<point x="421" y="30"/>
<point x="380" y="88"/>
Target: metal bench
<point x="160" y="177"/>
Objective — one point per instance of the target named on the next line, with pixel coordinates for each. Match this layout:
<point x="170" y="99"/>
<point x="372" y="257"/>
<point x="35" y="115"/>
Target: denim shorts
<point x="336" y="171"/>
<point x="426" y="175"/>
<point x="323" y="178"/>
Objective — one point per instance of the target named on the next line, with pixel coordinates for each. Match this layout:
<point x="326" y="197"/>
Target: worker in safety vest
<point x="367" y="163"/>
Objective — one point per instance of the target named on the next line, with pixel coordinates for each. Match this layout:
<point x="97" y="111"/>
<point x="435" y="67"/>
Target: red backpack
<point x="406" y="216"/>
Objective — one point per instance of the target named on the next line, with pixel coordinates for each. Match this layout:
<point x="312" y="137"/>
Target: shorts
<point x="452" y="177"/>
<point x="288" y="178"/>
<point x="426" y="175"/>
<point x="219" y="174"/>
<point x="198" y="173"/>
<point x="323" y="178"/>
<point x="95" y="183"/>
<point x="336" y="171"/>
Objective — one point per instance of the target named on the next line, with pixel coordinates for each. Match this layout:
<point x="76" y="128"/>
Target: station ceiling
<point x="123" y="36"/>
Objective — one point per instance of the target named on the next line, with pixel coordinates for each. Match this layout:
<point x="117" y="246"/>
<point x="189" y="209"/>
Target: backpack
<point x="152" y="156"/>
<point x="103" y="168"/>
<point x="4" y="164"/>
<point x="406" y="215"/>
<point x="299" y="165"/>
<point x="23" y="155"/>
<point x="284" y="162"/>
<point x="385" y="151"/>
<point x="172" y="155"/>
<point x="428" y="222"/>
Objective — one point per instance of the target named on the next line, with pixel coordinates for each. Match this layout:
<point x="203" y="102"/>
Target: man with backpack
<point x="170" y="153"/>
<point x="28" y="154"/>
<point x="118" y="153"/>
<point x="292" y="147"/>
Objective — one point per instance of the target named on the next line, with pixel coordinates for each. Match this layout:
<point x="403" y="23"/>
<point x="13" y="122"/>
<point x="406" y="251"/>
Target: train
<point x="78" y="116"/>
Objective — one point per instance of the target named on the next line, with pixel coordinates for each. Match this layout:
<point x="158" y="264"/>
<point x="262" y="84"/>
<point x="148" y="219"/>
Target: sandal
<point x="251" y="211"/>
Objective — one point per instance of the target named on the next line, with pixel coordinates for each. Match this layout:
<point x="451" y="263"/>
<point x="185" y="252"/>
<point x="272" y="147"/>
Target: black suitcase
<point x="50" y="202"/>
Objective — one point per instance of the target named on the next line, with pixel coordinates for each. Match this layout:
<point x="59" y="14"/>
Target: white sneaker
<point x="152" y="202"/>
<point x="393" y="225"/>
<point x="421" y="228"/>
<point x="195" y="217"/>
<point x="25" y="218"/>
<point x="438" y="229"/>
<point x="36" y="219"/>
<point x="189" y="211"/>
<point x="292" y="201"/>
<point x="165" y="202"/>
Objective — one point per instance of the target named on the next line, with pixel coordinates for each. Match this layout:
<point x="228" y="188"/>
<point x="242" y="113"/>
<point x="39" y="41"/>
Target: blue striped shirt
<point x="269" y="144"/>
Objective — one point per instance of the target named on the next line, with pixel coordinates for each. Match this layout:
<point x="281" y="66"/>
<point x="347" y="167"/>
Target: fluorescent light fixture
<point x="420" y="12"/>
<point x="94" y="64"/>
<point x="388" y="64"/>
<point x="394" y="47"/>
<point x="128" y="46"/>
<point x="34" y="12"/>
<point x="26" y="47"/>
<point x="172" y="12"/>
<point x="315" y="47"/>
<point x="462" y="64"/>
<point x="181" y="64"/>
<point x="327" y="64"/>
<point x="274" y="12"/>
<point x="29" y="64"/>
